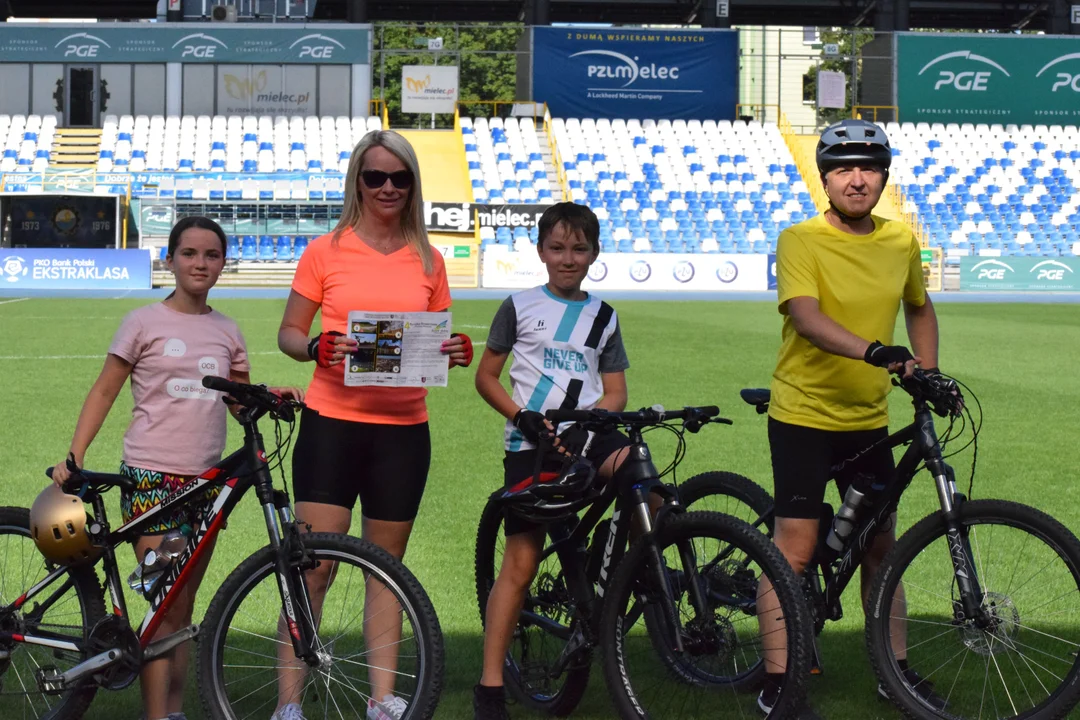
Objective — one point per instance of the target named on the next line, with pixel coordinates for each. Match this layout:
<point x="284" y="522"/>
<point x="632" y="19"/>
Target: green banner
<point x="927" y="255"/>
<point x="185" y="43"/>
<point x="978" y="78"/>
<point x="1020" y="273"/>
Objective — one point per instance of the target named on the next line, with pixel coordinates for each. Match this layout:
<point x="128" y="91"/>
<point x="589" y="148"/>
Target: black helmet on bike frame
<point x="553" y="496"/>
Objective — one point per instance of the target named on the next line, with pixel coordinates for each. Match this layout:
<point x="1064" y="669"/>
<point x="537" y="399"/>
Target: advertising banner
<point x="462" y="261"/>
<point x="636" y="271"/>
<point x="429" y="88"/>
<point x="771" y="285"/>
<point x="70" y="269"/>
<point x="988" y="78"/>
<point x="463" y="217"/>
<point x="203" y="43"/>
<point x="1020" y="273"/>
<point x="622" y="73"/>
<point x="266" y="90"/>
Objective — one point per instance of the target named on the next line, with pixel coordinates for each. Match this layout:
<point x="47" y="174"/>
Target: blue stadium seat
<point x="266" y="248"/>
<point x="285" y="248"/>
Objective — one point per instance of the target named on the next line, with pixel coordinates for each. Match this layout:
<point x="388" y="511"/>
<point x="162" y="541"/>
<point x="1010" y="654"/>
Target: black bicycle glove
<point x="531" y="424"/>
<point x="885" y="355"/>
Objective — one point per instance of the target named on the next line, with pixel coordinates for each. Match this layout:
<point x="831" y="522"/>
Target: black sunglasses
<point x="375" y="179"/>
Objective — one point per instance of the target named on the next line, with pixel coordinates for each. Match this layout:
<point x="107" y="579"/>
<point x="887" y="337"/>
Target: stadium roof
<point x="940" y="14"/>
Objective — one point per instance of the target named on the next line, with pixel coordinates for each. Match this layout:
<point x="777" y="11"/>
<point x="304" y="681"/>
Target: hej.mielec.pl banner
<point x="621" y="73"/>
<point x="980" y="78"/>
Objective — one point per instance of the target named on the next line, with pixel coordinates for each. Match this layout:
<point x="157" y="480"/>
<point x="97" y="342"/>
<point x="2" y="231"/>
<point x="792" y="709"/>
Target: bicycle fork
<point x="967" y="581"/>
<point x="299" y="621"/>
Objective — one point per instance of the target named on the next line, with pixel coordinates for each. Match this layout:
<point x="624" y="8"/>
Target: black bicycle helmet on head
<point x="853" y="141"/>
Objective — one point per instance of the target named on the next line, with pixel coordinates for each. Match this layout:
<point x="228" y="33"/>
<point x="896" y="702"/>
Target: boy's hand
<point x="532" y="424"/>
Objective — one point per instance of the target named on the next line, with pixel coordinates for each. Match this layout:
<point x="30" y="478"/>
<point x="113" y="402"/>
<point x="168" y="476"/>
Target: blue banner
<point x="619" y="73"/>
<point x="771" y="272"/>
<point x="72" y="269"/>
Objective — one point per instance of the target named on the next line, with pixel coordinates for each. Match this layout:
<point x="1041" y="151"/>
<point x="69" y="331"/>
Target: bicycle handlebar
<point x="691" y="416"/>
<point x="941" y="392"/>
<point x="255" y="396"/>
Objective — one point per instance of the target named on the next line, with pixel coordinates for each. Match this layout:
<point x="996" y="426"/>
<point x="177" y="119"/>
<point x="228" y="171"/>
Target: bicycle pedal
<point x="50" y="680"/>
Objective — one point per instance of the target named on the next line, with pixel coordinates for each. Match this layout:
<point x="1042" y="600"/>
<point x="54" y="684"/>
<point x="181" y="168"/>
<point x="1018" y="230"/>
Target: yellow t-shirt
<point x="858" y="281"/>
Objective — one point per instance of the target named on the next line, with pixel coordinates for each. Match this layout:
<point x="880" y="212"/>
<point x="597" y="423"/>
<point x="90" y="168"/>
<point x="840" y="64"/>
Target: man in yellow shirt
<point x="841" y="280"/>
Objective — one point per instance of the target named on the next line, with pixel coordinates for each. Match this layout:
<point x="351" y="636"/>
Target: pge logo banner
<point x="988" y="78"/>
<point x="190" y="43"/>
<point x="620" y="73"/>
<point x="71" y="269"/>
<point x="1060" y="274"/>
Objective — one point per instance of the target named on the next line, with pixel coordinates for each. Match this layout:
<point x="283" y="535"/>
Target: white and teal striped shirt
<point x="561" y="348"/>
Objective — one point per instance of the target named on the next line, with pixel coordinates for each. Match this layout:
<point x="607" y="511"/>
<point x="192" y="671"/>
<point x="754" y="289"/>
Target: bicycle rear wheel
<point x="71" y="606"/>
<point x="241" y="638"/>
<point x="729" y="493"/>
<point x="1023" y="661"/>
<point x="646" y="676"/>
<point x="533" y="650"/>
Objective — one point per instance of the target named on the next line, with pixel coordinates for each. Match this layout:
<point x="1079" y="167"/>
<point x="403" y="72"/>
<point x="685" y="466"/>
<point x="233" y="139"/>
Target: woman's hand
<point x="289" y="393"/>
<point x="330" y="348"/>
<point x="60" y="472"/>
<point x="460" y="349"/>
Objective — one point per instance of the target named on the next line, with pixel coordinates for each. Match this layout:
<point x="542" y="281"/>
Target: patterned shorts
<point x="152" y="488"/>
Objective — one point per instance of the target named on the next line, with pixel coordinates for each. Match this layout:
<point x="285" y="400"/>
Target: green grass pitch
<point x="1019" y="359"/>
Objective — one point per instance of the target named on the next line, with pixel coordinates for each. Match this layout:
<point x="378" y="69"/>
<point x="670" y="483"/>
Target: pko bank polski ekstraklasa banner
<point x="74" y="269"/>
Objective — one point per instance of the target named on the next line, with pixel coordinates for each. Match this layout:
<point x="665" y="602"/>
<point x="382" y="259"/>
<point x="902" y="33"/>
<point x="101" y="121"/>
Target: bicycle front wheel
<point x="1018" y="657"/>
<point x="378" y="636"/>
<point x="721" y="641"/>
<point x="68" y="609"/>
<point x="729" y="493"/>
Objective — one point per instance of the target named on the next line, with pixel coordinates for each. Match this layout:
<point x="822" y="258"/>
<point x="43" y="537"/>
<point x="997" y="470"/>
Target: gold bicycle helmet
<point x="58" y="525"/>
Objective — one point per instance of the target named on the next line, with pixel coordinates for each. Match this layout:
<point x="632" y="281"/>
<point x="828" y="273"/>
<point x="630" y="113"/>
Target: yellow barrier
<point x="762" y="112"/>
<point x="376" y="107"/>
<point x="385" y="117"/>
<point x="556" y="158"/>
<point x="934" y="271"/>
<point x="860" y="112"/>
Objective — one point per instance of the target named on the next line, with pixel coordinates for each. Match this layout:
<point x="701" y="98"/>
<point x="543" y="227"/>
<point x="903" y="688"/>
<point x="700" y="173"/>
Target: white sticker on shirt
<point x="175" y="347"/>
<point x="208" y="365"/>
<point x="189" y="390"/>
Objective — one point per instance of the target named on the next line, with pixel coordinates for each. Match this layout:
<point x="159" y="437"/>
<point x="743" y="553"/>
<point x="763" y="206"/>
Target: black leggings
<point x="386" y="466"/>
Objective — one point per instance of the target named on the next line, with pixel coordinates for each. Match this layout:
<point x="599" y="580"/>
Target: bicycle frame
<point x="235" y="475"/>
<point x="587" y="580"/>
<point x="923" y="448"/>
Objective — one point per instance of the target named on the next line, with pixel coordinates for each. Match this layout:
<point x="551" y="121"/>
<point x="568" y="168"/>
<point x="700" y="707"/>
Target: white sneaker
<point x="291" y="711"/>
<point x="391" y="708"/>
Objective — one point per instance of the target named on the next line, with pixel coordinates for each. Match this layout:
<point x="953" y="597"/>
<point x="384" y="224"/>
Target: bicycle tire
<point x="918" y="537"/>
<point x="261" y="564"/>
<point x="727" y="484"/>
<point x="74" y="703"/>
<point x="742" y="535"/>
<point x="569" y="695"/>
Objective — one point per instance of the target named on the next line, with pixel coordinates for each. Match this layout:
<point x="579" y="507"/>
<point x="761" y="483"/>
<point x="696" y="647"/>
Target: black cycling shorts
<point x="386" y="466"/>
<point x="803" y="458"/>
<point x="520" y="465"/>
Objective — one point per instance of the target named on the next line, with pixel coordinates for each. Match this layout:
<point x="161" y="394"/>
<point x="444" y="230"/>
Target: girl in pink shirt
<point x="178" y="427"/>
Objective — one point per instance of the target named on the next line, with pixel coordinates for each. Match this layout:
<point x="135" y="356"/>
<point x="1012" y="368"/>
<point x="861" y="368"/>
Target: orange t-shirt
<point x="352" y="276"/>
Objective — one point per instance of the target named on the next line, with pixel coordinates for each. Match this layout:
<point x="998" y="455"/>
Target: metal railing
<point x="875" y="113"/>
<point x="762" y="112"/>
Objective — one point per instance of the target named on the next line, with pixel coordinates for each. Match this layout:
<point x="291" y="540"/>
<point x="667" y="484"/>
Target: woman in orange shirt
<point x="370" y="443"/>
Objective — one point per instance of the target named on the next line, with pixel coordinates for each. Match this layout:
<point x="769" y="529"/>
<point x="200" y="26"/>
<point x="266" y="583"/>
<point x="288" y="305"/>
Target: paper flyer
<point x="398" y="349"/>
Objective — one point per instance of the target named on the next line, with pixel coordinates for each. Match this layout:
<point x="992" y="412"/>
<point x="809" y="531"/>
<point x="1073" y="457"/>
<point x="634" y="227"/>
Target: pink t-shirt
<point x="177" y="425"/>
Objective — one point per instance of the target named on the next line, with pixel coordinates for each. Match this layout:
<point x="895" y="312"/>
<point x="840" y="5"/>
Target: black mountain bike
<point x="58" y="645"/>
<point x="676" y="634"/>
<point x="990" y="589"/>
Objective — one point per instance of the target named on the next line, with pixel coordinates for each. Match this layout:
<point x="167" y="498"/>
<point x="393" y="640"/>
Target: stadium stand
<point x="26" y="142"/>
<point x="237" y="144"/>
<point x="978" y="188"/>
<point x="505" y="161"/>
<point x="683" y="186"/>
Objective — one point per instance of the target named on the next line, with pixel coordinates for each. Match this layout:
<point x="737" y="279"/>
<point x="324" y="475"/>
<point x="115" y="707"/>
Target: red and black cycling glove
<point x="321" y="348"/>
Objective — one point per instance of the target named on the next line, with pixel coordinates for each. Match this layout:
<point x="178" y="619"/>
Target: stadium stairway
<point x="803" y="149"/>
<point x="547" y="152"/>
<point x="75" y="148"/>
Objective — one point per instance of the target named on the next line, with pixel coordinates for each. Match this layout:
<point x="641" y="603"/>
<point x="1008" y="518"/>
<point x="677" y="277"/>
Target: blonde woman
<point x="366" y="443"/>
